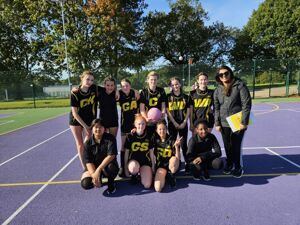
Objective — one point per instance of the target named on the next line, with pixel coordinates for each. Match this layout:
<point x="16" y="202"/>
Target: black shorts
<point x="107" y="123"/>
<point x="142" y="161"/>
<point x="163" y="164"/>
<point x="74" y="122"/>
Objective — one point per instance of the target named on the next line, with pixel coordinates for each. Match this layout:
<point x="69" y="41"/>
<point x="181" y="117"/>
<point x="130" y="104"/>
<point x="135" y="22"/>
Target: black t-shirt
<point x="129" y="107"/>
<point x="163" y="150"/>
<point x="153" y="99"/>
<point x="108" y="108"/>
<point x="202" y="102"/>
<point x="207" y="148"/>
<point x="95" y="153"/>
<point x="86" y="103"/>
<point x="139" y="146"/>
<point x="177" y="106"/>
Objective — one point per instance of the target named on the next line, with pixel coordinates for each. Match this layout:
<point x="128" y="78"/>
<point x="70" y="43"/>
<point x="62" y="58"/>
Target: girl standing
<point x="152" y="96"/>
<point x="178" y="110"/>
<point x="83" y="111"/>
<point x="201" y="102"/>
<point x="108" y="105"/>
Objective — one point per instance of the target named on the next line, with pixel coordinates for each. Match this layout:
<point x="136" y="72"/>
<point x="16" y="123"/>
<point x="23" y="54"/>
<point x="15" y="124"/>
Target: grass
<point x="49" y="103"/>
<point x="14" y="119"/>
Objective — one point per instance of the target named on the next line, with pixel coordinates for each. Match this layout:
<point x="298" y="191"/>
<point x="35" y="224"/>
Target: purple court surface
<point x="40" y="173"/>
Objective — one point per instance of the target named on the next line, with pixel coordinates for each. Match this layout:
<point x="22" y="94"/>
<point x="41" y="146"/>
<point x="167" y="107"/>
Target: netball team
<point x="151" y="150"/>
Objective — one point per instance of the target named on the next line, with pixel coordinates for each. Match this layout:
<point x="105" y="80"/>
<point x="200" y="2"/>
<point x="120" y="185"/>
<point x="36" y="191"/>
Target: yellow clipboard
<point x="234" y="121"/>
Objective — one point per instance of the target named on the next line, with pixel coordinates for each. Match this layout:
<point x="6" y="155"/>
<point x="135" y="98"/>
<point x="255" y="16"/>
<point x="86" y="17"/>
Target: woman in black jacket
<point x="231" y="96"/>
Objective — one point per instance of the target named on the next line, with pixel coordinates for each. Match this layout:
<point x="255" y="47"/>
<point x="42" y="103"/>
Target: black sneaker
<point x="172" y="180"/>
<point x="111" y="188"/>
<point x="228" y="169"/>
<point x="206" y="175"/>
<point x="197" y="177"/>
<point x="121" y="172"/>
<point x="238" y="173"/>
<point x="134" y="179"/>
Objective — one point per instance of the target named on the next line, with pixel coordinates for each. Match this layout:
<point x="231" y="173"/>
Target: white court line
<point x="1" y="164"/>
<point x="276" y="147"/>
<point x="280" y="156"/>
<point x="10" y="121"/>
<point x="37" y="193"/>
<point x="275" y="108"/>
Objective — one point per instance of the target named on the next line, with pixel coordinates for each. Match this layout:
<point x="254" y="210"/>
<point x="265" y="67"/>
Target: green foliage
<point x="182" y="32"/>
<point x="273" y="31"/>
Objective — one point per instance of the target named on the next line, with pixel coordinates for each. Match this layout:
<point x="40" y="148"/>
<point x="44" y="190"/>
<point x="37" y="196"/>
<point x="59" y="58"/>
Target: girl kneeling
<point x="167" y="152"/>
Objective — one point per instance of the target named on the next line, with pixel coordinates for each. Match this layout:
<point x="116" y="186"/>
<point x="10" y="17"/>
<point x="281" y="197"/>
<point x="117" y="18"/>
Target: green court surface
<point x="13" y="119"/>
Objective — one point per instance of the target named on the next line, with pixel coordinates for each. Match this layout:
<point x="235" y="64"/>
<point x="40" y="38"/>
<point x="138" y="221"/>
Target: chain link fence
<point x="264" y="78"/>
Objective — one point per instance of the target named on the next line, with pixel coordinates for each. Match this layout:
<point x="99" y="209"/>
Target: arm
<point x="177" y="147"/>
<point x="183" y="124"/>
<point x="217" y="111"/>
<point x="152" y="159"/>
<point x="137" y="94"/>
<point x="143" y="111"/>
<point x="172" y="119"/>
<point x="78" y="118"/>
<point x="246" y="106"/>
<point x="163" y="109"/>
<point x="191" y="118"/>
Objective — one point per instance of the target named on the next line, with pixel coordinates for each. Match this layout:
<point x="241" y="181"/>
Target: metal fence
<point x="264" y="78"/>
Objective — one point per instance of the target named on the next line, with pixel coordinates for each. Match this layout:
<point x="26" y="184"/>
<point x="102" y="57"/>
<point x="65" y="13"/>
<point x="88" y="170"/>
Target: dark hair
<point x="201" y="121"/>
<point x="97" y="122"/>
<point x="179" y="81"/>
<point x="223" y="68"/>
<point x="161" y="122"/>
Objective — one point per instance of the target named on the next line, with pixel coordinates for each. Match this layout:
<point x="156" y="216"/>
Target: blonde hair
<point x="84" y="74"/>
<point x="139" y="117"/>
<point x="152" y="73"/>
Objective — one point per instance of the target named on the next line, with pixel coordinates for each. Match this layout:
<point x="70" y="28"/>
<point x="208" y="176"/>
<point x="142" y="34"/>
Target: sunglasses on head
<point x="224" y="74"/>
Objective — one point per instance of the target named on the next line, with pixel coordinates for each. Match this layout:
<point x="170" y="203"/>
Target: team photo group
<point x="154" y="128"/>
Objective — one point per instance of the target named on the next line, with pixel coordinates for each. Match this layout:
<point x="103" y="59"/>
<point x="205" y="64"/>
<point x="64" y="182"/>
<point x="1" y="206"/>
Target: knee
<point x="217" y="164"/>
<point x="133" y="167"/>
<point x="147" y="184"/>
<point x="112" y="170"/>
<point x="86" y="183"/>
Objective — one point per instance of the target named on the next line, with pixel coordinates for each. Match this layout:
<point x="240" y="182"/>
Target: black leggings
<point x="233" y="145"/>
<point x="110" y="171"/>
<point x="182" y="133"/>
<point x="196" y="169"/>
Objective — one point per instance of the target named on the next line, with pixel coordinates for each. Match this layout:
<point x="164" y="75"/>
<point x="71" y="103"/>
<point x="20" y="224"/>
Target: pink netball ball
<point x="154" y="114"/>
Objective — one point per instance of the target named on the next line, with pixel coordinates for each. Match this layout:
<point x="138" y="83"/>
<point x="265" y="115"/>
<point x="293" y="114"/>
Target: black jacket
<point x="207" y="148"/>
<point x="238" y="100"/>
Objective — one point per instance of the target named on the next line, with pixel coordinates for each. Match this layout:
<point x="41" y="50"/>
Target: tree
<point x="275" y="28"/>
<point x="182" y="32"/>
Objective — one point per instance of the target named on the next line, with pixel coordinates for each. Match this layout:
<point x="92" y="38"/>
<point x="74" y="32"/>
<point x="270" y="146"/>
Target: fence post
<point x="298" y="82"/>
<point x="287" y="81"/>
<point x="253" y="78"/>
<point x="270" y="82"/>
<point x="33" y="89"/>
